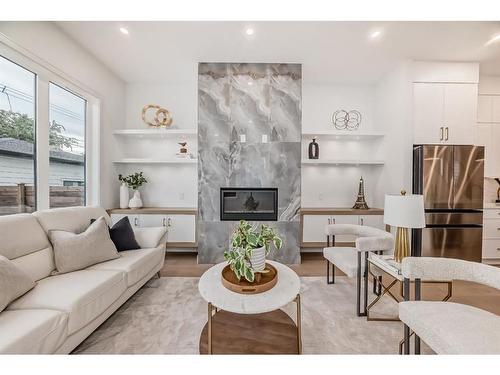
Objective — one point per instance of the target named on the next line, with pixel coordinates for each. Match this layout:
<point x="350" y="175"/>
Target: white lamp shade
<point x="404" y="211"/>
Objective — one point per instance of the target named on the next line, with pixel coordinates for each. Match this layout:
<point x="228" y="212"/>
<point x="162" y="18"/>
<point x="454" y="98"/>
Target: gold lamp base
<point x="402" y="245"/>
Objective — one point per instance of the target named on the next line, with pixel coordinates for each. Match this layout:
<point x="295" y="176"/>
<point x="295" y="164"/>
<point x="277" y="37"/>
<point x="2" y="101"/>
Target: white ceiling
<point x="329" y="51"/>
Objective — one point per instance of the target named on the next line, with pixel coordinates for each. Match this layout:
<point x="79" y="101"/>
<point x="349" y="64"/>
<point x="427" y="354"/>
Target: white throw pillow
<point x="74" y="252"/>
<point x="13" y="282"/>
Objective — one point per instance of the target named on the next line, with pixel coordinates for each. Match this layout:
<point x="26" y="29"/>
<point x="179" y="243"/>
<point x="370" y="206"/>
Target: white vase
<point x="124" y="197"/>
<point x="136" y="201"/>
<point x="258" y="259"/>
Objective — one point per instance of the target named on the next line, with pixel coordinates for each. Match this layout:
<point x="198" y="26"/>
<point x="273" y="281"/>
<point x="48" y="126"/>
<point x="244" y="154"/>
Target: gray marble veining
<point x="261" y="103"/>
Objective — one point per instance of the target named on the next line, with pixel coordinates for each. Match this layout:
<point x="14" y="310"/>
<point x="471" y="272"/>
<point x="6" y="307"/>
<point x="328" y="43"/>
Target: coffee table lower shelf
<point x="274" y="332"/>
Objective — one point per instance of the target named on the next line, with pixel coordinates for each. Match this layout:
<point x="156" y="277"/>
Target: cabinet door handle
<point x="164" y="222"/>
<point x="362" y="221"/>
<point x="333" y="221"/>
<point x="329" y="221"/>
<point x="136" y="221"/>
<point x="446" y="132"/>
<point x="498" y="248"/>
<point x="169" y="222"/>
<point x="441" y="133"/>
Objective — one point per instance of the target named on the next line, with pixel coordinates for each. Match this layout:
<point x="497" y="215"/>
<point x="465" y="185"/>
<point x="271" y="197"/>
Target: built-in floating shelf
<point x="351" y="135"/>
<point x="151" y="132"/>
<point x="156" y="161"/>
<point x="335" y="162"/>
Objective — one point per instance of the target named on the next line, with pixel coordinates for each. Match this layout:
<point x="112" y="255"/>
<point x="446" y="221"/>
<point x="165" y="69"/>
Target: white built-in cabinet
<point x="181" y="227"/>
<point x="444" y="112"/>
<point x="488" y="109"/>
<point x="487" y="132"/>
<point x="491" y="235"/>
<point x="314" y="224"/>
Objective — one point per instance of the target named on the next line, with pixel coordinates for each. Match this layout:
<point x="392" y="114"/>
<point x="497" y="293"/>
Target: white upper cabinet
<point x="428" y="113"/>
<point x="444" y="112"/>
<point x="484" y="108"/>
<point x="488" y="109"/>
<point x="460" y="113"/>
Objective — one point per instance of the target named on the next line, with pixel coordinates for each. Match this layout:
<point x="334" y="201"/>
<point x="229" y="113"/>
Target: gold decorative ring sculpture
<point x="162" y="116"/>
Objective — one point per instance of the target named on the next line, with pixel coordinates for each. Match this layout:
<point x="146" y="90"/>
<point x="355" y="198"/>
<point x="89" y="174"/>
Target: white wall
<point x="337" y="186"/>
<point x="50" y="44"/>
<point x="168" y="185"/>
<point x="393" y="114"/>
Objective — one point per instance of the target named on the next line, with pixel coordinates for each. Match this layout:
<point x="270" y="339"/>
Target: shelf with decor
<point x="337" y="162"/>
<point x="152" y="132"/>
<point x="351" y="135"/>
<point x="156" y="161"/>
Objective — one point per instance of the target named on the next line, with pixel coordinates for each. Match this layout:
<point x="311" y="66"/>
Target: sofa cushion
<point x="32" y="331"/>
<point x="74" y="252"/>
<point x="453" y="328"/>
<point x="149" y="237"/>
<point x="83" y="294"/>
<point x="33" y="253"/>
<point x="122" y="235"/>
<point x="69" y="219"/>
<point x="13" y="282"/>
<point x="135" y="263"/>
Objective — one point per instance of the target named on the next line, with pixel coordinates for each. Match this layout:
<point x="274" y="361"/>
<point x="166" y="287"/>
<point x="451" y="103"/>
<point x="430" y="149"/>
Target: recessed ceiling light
<point x="249" y="31"/>
<point x="376" y="34"/>
<point x="124" y="31"/>
<point x="496" y="38"/>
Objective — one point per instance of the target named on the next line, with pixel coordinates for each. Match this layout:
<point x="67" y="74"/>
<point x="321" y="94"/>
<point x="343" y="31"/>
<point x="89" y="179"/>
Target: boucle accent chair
<point x="353" y="260"/>
<point x="448" y="327"/>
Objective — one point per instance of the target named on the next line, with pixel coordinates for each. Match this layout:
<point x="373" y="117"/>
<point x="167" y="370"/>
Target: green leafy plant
<point x="245" y="239"/>
<point x="20" y="126"/>
<point x="133" y="181"/>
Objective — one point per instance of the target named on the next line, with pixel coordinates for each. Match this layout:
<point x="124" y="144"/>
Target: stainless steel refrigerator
<point x="451" y="179"/>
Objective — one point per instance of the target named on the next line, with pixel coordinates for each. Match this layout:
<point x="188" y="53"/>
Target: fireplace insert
<point x="249" y="204"/>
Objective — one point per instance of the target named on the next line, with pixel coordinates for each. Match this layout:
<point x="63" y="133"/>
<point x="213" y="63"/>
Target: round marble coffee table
<point x="262" y="314"/>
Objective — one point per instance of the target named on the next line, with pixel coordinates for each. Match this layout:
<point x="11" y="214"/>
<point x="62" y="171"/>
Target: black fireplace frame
<point x="258" y="216"/>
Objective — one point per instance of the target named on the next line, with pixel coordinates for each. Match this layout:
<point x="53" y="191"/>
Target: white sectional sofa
<point x="62" y="310"/>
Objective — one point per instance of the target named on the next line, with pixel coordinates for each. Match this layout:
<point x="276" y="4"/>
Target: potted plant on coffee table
<point x="250" y="245"/>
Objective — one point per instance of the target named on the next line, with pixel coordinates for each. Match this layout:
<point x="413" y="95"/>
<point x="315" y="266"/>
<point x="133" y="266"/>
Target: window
<point x="17" y="138"/>
<point x="66" y="148"/>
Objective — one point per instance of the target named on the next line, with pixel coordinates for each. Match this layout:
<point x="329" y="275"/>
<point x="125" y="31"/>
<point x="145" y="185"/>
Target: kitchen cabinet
<point x="488" y="109"/>
<point x="180" y="223"/>
<point x="488" y="135"/>
<point x="314" y="221"/>
<point x="491" y="235"/>
<point x="444" y="112"/>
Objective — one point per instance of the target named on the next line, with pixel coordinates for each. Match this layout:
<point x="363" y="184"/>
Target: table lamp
<point x="403" y="211"/>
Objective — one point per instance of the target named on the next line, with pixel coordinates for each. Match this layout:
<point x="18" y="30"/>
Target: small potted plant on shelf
<point x="249" y="247"/>
<point x="134" y="182"/>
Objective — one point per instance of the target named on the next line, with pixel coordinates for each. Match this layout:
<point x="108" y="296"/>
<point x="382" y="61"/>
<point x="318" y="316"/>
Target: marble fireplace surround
<point x="249" y="135"/>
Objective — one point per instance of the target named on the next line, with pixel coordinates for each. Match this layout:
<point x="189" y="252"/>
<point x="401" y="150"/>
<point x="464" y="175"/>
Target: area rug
<point x="167" y="315"/>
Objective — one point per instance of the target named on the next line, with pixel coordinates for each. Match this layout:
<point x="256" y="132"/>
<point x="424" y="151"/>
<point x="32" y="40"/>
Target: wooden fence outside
<point x="21" y="198"/>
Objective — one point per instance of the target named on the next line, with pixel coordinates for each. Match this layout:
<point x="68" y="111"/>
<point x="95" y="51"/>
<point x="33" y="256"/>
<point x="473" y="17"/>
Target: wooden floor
<point x="313" y="264"/>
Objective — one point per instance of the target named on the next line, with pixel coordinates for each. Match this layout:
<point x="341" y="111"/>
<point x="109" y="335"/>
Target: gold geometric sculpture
<point x="162" y="116"/>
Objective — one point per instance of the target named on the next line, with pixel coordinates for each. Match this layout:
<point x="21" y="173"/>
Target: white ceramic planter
<point x="258" y="259"/>
<point x="136" y="201"/>
<point x="124" y="197"/>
